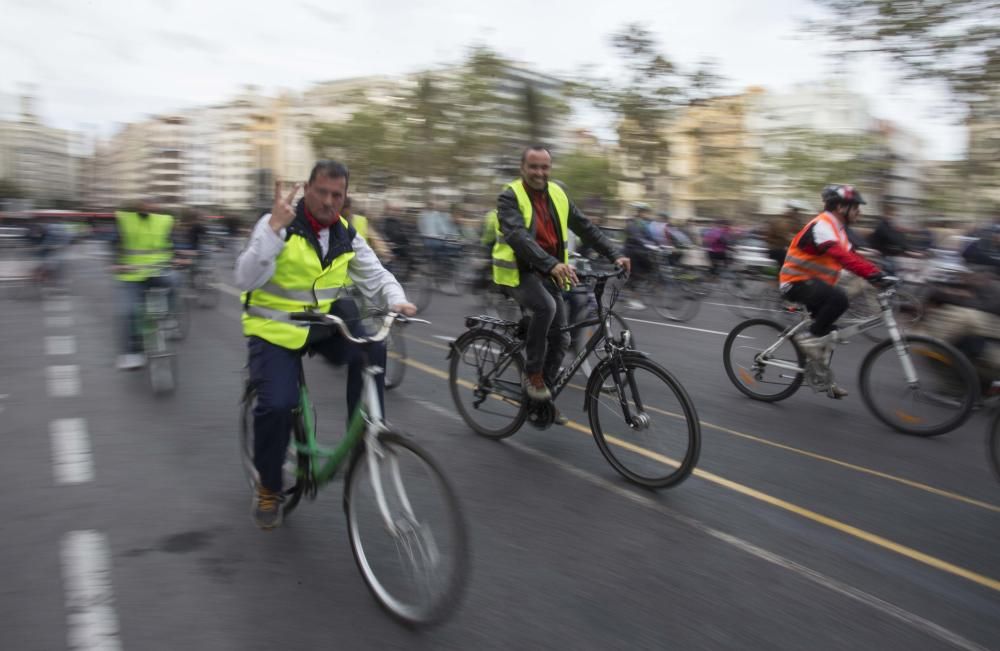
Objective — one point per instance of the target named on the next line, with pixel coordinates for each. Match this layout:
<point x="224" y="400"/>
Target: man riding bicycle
<point x="300" y="259"/>
<point x="531" y="259"/>
<point x="144" y="245"/>
<point x="813" y="264"/>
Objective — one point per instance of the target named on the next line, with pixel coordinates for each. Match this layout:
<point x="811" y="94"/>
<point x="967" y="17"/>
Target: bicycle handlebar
<point x="334" y="321"/>
<point x="619" y="272"/>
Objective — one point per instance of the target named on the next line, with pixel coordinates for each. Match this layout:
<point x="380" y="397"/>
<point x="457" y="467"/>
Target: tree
<point x="587" y="176"/>
<point x="11" y="190"/>
<point x="366" y="140"/>
<point x="641" y="103"/>
<point x="805" y="161"/>
<point x="956" y="42"/>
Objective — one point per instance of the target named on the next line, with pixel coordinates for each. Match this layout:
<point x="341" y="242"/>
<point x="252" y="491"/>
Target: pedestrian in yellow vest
<point x="530" y="258"/>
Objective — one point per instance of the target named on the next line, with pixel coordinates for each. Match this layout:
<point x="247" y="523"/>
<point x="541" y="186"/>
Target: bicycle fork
<point x="899" y="344"/>
<point x="640" y="419"/>
<point x="409" y="534"/>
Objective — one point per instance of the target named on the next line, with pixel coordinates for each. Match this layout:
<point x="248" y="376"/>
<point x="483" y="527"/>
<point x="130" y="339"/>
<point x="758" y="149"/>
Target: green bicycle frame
<point x="333" y="457"/>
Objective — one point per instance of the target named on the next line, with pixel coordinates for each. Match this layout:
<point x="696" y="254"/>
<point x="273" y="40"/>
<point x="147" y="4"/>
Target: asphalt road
<point x="808" y="524"/>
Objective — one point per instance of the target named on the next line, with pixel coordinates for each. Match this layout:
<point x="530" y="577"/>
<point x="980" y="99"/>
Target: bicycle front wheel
<point x="940" y="400"/>
<point x="485" y="382"/>
<point x="395" y="360"/>
<point x="760" y="373"/>
<point x="659" y="445"/>
<point x="406" y="530"/>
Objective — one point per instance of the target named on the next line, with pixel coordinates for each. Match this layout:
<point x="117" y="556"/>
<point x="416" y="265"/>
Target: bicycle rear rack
<point x="515" y="329"/>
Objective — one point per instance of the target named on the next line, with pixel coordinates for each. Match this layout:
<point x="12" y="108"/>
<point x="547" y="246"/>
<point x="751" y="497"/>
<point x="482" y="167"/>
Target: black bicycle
<point x="641" y="417"/>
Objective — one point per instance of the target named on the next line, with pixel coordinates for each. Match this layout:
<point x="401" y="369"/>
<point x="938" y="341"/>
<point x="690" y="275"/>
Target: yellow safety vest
<point x="145" y="242"/>
<point x="300" y="283"/>
<point x="360" y="224"/>
<point x="490" y="227"/>
<point x="505" y="270"/>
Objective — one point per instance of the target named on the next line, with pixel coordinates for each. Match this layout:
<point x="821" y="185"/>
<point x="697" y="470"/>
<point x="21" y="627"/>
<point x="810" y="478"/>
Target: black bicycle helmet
<point x="842" y="194"/>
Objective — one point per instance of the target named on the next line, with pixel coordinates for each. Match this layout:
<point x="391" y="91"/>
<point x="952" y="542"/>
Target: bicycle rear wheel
<point x="993" y="441"/>
<point x="293" y="483"/>
<point x="395" y="360"/>
<point x="942" y="398"/>
<point x="660" y="447"/>
<point x="768" y="377"/>
<point x="485" y="382"/>
<point x="675" y="301"/>
<point x="406" y="531"/>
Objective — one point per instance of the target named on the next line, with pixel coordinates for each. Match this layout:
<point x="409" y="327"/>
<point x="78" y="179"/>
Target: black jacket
<point x="526" y="250"/>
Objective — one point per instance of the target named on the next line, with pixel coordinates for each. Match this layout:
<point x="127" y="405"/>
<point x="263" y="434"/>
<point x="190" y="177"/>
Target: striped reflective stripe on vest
<point x="792" y="261"/>
<point x="304" y="295"/>
<point x="506" y="264"/>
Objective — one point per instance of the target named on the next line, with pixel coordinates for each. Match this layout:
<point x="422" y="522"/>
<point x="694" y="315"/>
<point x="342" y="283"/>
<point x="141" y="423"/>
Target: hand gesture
<point x="282" y="212"/>
<point x="624" y="263"/>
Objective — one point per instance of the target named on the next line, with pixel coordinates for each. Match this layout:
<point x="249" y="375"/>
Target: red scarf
<point x="315" y="225"/>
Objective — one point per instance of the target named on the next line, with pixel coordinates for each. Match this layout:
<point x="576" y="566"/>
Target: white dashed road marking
<point x="61" y="321"/>
<point x="59" y="305"/>
<point x="64" y="381"/>
<point x="86" y="564"/>
<point x="60" y="345"/>
<point x="71" y="458"/>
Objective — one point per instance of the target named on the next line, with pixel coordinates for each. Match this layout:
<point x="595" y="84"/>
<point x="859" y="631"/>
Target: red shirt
<point x="545" y="226"/>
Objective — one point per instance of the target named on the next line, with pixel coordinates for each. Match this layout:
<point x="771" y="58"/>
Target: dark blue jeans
<point x="275" y="371"/>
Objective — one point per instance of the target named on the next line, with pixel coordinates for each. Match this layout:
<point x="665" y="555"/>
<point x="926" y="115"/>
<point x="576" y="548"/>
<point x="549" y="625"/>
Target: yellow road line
<point x="808" y="514"/>
<point x="940" y="492"/>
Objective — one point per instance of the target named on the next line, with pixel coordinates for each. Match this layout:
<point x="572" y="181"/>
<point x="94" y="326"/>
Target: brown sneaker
<point x="836" y="392"/>
<point x="266" y="508"/>
<point x="534" y="386"/>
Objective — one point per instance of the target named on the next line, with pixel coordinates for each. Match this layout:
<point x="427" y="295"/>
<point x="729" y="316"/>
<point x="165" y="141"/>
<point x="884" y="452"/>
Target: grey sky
<point x="95" y="63"/>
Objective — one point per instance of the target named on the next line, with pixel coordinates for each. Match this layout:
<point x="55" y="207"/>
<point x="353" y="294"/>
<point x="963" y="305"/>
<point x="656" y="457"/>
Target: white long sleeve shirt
<point x="256" y="264"/>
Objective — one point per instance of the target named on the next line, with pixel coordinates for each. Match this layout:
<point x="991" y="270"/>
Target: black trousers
<point x="825" y="303"/>
<point x="546" y="346"/>
<point x="275" y="370"/>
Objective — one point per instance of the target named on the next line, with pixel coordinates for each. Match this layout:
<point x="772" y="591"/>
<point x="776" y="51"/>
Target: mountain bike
<point x="930" y="392"/>
<point x="640" y="416"/>
<point x="406" y="530"/>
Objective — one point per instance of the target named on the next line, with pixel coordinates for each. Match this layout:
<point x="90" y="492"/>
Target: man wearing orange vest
<point x="813" y="264"/>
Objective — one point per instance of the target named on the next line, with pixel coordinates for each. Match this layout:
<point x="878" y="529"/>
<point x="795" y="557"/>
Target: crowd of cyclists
<point x="526" y="248"/>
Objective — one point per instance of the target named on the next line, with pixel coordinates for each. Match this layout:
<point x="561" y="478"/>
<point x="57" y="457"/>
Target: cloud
<point x="187" y="41"/>
<point x="327" y="16"/>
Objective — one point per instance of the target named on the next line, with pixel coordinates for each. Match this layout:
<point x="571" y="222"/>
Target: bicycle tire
<point x="494" y="343"/>
<point x="631" y="362"/>
<point x="438" y="610"/>
<point x="993" y="443"/>
<point x="676" y="301"/>
<point x="161" y="362"/>
<point x="741" y="376"/>
<point x="295" y="462"/>
<point x="206" y="294"/>
<point x="946" y="354"/>
<point x="395" y="360"/>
